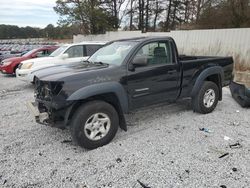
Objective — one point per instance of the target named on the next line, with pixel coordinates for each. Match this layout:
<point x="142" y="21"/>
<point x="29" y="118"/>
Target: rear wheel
<point x="94" y="124"/>
<point x="207" y="98"/>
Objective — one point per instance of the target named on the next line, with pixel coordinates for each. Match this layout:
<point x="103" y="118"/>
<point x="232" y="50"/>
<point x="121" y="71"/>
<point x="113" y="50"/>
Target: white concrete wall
<point x="217" y="42"/>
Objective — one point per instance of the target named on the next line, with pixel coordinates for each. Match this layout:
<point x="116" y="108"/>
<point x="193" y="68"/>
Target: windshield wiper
<point x="100" y="63"/>
<point x="95" y="63"/>
<point x="86" y="61"/>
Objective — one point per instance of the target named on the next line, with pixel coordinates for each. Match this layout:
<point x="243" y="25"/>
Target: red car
<point x="9" y="66"/>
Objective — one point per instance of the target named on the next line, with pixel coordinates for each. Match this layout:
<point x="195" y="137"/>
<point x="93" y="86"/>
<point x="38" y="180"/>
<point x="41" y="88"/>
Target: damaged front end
<point x="50" y="103"/>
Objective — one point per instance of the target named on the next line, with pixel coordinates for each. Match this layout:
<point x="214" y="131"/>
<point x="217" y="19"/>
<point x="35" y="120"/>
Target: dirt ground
<point x="163" y="147"/>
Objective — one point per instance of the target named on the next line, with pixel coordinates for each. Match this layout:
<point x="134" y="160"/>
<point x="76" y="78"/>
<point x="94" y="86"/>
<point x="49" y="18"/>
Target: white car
<point x="64" y="55"/>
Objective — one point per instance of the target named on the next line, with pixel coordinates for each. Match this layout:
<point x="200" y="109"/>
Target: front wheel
<point x="94" y="124"/>
<point x="207" y="98"/>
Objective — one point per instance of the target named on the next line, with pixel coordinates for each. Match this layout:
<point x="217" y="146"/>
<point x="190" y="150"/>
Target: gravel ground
<point x="163" y="147"/>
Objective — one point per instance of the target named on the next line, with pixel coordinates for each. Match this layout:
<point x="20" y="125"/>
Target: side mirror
<point x="64" y="56"/>
<point x="140" y="61"/>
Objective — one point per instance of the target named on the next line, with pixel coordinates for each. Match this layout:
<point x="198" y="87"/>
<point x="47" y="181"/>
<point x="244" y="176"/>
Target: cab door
<point x="156" y="81"/>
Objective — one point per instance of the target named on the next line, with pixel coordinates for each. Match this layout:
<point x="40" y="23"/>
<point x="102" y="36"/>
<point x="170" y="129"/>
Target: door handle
<point x="142" y="89"/>
<point x="171" y="71"/>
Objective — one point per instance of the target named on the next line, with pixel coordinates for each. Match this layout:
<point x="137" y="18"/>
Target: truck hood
<point x="67" y="72"/>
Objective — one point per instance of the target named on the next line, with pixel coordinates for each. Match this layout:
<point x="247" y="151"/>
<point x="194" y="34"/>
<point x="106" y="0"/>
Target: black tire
<point x="83" y="114"/>
<point x="197" y="101"/>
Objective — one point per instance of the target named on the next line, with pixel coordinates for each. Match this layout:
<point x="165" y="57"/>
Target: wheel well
<point x="214" y="78"/>
<point x="14" y="68"/>
<point x="217" y="80"/>
<point x="110" y="98"/>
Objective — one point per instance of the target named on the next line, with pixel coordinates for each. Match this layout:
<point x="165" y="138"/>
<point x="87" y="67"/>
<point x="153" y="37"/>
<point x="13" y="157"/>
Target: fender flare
<point x="216" y="70"/>
<point x="102" y="88"/>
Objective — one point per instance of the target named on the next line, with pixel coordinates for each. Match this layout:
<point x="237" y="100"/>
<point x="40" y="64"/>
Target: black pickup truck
<point x="92" y="97"/>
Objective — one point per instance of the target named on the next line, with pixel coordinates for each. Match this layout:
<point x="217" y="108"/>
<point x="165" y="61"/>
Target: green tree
<point x="90" y="15"/>
<point x="50" y="31"/>
<point x="225" y="14"/>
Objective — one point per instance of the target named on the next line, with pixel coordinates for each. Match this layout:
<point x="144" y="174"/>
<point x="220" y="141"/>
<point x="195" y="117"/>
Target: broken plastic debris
<point x="66" y="141"/>
<point x="236" y="145"/>
<point x="142" y="184"/>
<point x="234" y="169"/>
<point x="236" y="123"/>
<point x="118" y="160"/>
<point x="227" y="138"/>
<point x="223" y="186"/>
<point x="206" y="130"/>
<point x="224" y="155"/>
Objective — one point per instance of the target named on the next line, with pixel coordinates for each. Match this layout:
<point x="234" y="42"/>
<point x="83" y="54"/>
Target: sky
<point x="34" y="13"/>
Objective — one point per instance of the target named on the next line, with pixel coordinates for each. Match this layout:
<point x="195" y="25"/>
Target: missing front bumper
<point x="41" y="118"/>
<point x="240" y="93"/>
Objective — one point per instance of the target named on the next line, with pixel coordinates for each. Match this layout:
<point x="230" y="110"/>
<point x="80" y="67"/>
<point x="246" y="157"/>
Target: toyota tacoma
<point x="92" y="97"/>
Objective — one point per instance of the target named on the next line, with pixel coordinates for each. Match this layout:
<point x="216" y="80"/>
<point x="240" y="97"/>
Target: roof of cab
<point x="93" y="42"/>
<point x="142" y="39"/>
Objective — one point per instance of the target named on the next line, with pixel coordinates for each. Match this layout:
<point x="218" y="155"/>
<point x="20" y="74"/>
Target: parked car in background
<point x="9" y="65"/>
<point x="11" y="54"/>
<point x="125" y="75"/>
<point x="66" y="54"/>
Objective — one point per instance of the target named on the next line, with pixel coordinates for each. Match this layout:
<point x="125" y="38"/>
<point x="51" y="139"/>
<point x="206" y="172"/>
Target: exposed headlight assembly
<point x="46" y="90"/>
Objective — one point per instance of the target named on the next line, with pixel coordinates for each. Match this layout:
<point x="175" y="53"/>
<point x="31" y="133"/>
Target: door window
<point x="50" y="51"/>
<point x="75" y="51"/>
<point x="156" y="53"/>
<point x="42" y="53"/>
<point x="91" y="49"/>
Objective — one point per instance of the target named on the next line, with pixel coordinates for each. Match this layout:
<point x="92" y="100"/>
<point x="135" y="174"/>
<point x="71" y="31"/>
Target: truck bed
<point x="192" y="66"/>
<point x="188" y="58"/>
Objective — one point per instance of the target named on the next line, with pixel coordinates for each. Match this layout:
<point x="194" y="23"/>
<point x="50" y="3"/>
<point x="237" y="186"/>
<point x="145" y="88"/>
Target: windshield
<point x="113" y="53"/>
<point x="58" y="51"/>
<point x="29" y="53"/>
